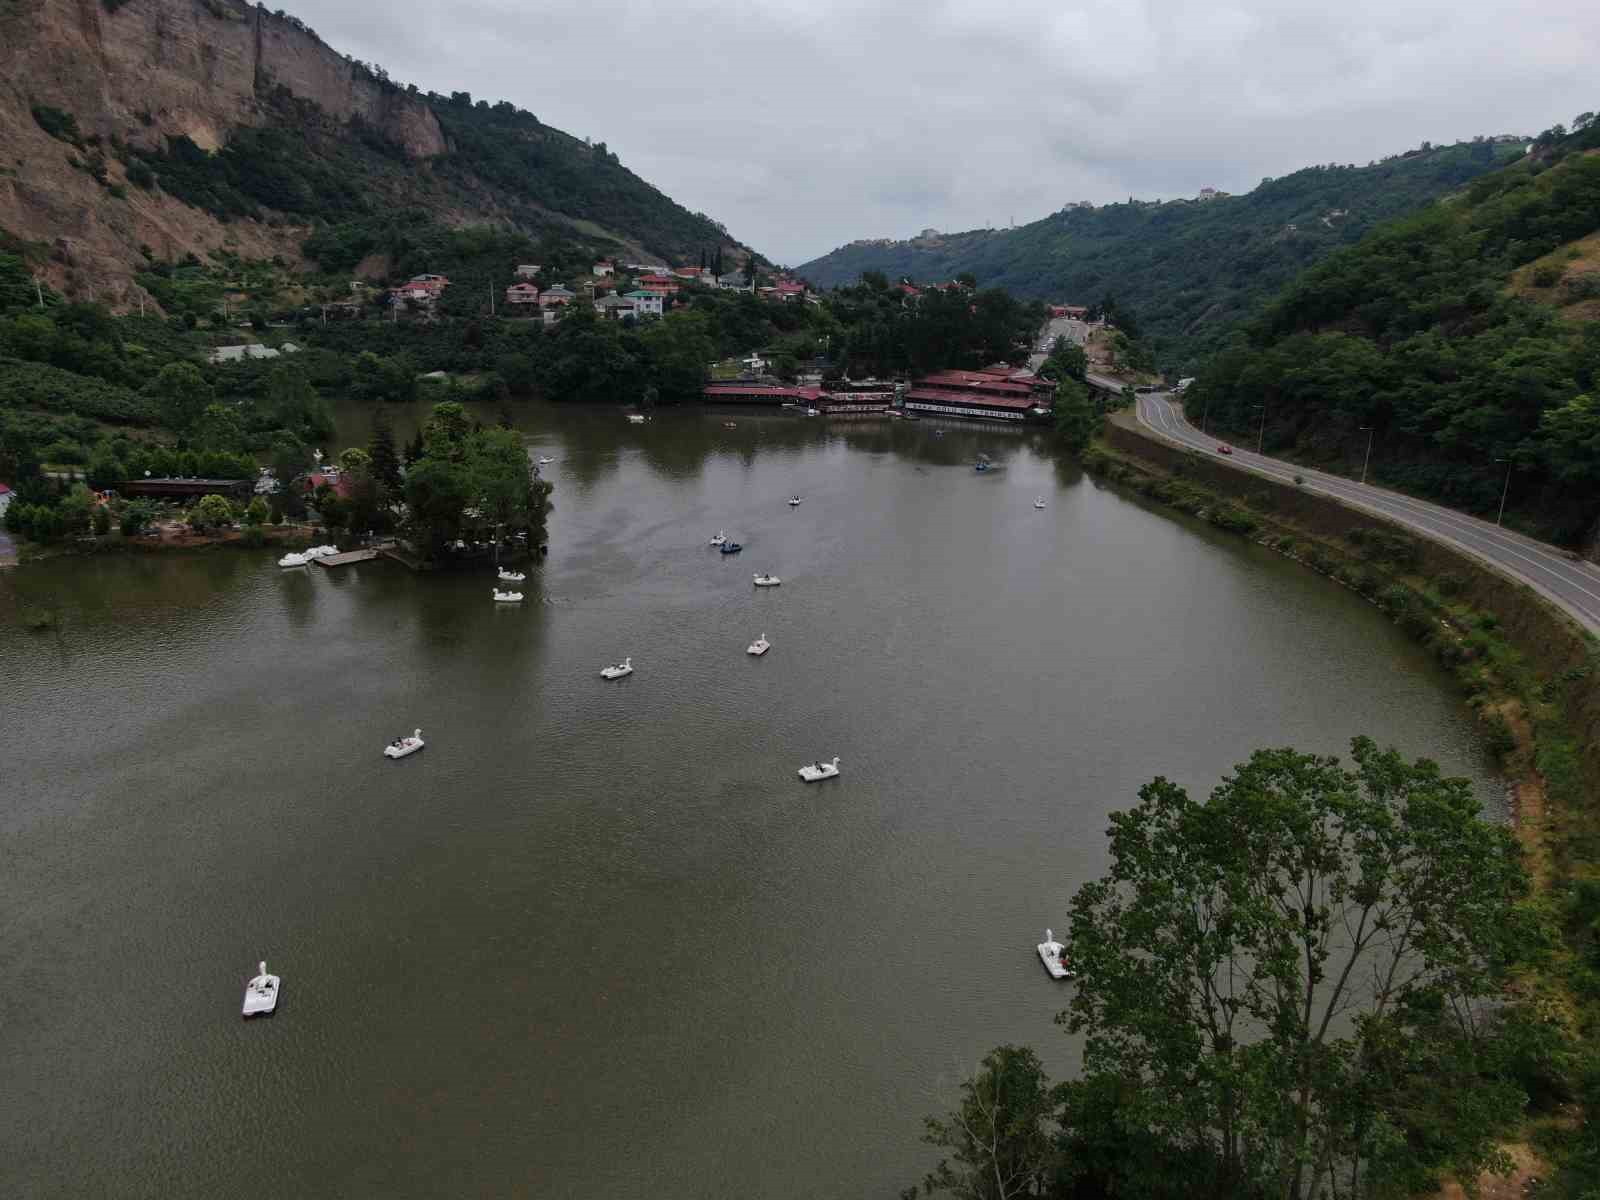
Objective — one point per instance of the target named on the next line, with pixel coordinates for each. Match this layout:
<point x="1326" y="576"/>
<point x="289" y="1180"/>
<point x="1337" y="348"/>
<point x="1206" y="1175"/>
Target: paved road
<point x="1573" y="586"/>
<point x="1073" y="331"/>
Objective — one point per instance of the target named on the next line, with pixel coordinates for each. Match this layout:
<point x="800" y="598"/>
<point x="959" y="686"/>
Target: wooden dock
<point x="349" y="556"/>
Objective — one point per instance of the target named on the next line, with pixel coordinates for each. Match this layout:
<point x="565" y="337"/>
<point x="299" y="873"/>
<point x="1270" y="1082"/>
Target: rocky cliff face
<point x="150" y="70"/>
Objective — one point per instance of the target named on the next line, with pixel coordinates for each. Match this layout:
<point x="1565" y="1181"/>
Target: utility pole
<point x="1261" y="440"/>
<point x="491" y="297"/>
<point x="38" y="291"/>
<point x="1368" y="458"/>
<point x="1505" y="491"/>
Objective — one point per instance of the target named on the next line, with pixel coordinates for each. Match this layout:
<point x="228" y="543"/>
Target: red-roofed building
<point x="6" y="496"/>
<point x="333" y="479"/>
<point x="661" y="285"/>
<point x="1002" y="394"/>
<point x="523" y="293"/>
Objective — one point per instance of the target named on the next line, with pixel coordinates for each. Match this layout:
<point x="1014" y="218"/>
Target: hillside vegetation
<point x="1462" y="339"/>
<point x="1190" y="269"/>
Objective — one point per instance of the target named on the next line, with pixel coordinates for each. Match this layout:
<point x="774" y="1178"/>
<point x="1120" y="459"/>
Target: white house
<point x="522" y="293"/>
<point x="645" y="304"/>
<point x="527" y="270"/>
<point x="603" y="268"/>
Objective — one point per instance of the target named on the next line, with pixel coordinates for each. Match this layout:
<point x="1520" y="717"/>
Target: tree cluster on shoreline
<point x="1302" y="988"/>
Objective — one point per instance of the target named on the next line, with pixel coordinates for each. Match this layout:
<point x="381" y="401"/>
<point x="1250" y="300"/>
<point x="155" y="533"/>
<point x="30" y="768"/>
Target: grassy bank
<point x="1531" y="675"/>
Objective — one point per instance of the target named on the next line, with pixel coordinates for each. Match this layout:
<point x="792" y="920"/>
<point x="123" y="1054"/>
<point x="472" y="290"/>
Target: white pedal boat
<point x="720" y="540"/>
<point x="819" y="770"/>
<point x="293" y="560"/>
<point x="759" y="646"/>
<point x="545" y="460"/>
<point x="796" y="501"/>
<point x="403" y="746"/>
<point x="321" y="552"/>
<point x="767" y="581"/>
<point x="617" y="670"/>
<point x="506" y="597"/>
<point x="1039" y="502"/>
<point x="1050" y="954"/>
<point x="511" y="576"/>
<point x="261" y="994"/>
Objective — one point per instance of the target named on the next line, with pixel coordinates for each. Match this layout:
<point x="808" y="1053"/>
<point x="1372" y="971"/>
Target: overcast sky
<point x="805" y="124"/>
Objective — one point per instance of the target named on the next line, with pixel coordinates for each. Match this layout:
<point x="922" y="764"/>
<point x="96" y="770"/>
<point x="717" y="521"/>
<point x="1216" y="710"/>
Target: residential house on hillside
<point x="527" y="270"/>
<point x="432" y="283"/>
<point x="614" y="308"/>
<point x="665" y="285"/>
<point x="6" y="496"/>
<point x="645" y="304"/>
<point x="695" y="275"/>
<point x="603" y="268"/>
<point x="785" y="289"/>
<point x="556" y="297"/>
<point x="224" y="354"/>
<point x="735" y="281"/>
<point x="523" y="294"/>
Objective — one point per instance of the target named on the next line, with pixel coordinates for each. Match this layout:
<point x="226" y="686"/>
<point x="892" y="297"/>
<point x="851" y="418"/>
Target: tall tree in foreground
<point x="1289" y="972"/>
<point x="1000" y="1140"/>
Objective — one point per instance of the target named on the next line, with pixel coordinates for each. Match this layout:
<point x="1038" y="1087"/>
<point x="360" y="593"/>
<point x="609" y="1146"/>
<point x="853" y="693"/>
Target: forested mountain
<point x="1188" y="268"/>
<point x="147" y="130"/>
<point x="1465" y="339"/>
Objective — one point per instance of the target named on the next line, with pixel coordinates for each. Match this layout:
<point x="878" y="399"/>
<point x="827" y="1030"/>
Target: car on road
<point x="1224" y="448"/>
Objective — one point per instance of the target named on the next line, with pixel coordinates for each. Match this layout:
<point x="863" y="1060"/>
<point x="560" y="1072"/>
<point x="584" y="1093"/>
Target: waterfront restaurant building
<point x="994" y="394"/>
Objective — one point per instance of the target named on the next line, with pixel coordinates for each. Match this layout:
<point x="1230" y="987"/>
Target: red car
<point x="1224" y="448"/>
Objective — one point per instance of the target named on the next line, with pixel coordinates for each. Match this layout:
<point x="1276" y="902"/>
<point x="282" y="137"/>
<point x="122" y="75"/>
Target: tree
<point x="380" y="449"/>
<point x="211" y="512"/>
<point x="355" y="459"/>
<point x="1076" y="419"/>
<point x="999" y="1138"/>
<point x="219" y="428"/>
<point x="1249" y="964"/>
<point x="256" y="512"/>
<point x="437" y="493"/>
<point x="180" y="395"/>
<point x="444" y="434"/>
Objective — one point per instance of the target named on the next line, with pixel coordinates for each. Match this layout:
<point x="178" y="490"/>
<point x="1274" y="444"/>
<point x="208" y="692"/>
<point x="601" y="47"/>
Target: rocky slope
<point x="139" y="76"/>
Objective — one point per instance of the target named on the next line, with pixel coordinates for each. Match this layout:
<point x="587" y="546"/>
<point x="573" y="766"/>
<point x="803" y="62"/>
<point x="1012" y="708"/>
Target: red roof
<point x="340" y="485"/>
<point x="5" y="489"/>
<point x="976" y="380"/>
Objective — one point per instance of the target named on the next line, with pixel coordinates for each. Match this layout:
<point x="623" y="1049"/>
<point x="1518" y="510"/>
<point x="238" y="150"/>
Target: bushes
<point x="62" y="126"/>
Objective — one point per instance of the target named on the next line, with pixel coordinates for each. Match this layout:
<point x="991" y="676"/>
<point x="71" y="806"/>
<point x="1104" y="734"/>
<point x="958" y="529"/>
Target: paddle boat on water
<point x="1050" y="954"/>
<point x="1038" y="501"/>
<point x="506" y="597"/>
<point x="617" y="670"/>
<point x="511" y="576"/>
<point x="261" y="993"/>
<point x="720" y="540"/>
<point x="545" y="460"/>
<point x="293" y="560"/>
<point x="637" y="418"/>
<point x="982" y="464"/>
<point x="759" y="647"/>
<point x="730" y="547"/>
<point x="730" y="424"/>
<point x="767" y="581"/>
<point x="819" y="770"/>
<point x="321" y="552"/>
<point x="795" y="501"/>
<point x="403" y="746"/>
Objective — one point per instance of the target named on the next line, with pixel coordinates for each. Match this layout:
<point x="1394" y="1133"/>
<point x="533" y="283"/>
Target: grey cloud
<point x="803" y="125"/>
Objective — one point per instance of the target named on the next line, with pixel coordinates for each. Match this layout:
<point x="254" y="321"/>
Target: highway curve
<point x="1572" y="585"/>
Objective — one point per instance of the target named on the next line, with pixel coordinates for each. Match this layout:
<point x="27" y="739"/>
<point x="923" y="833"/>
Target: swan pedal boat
<point x="796" y="501"/>
<point x="545" y="460"/>
<point x="720" y="540"/>
<point x="1050" y="954"/>
<point x="261" y="994"/>
<point x="819" y="770"/>
<point x="401" y="747"/>
<point x="617" y="670"/>
<point x="1039" y="503"/>
<point x="511" y="576"/>
<point x="293" y="560"/>
<point x="505" y="597"/>
<point x="767" y="581"/>
<point x="759" y="647"/>
<point x="730" y="548"/>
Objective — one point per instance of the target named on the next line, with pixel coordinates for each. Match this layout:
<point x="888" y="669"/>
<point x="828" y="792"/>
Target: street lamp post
<point x="1505" y="491"/>
<point x="1368" y="458"/>
<point x="1261" y="438"/>
<point x="1205" y="411"/>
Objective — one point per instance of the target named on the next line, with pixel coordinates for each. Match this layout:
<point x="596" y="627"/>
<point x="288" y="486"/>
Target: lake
<point x="598" y="939"/>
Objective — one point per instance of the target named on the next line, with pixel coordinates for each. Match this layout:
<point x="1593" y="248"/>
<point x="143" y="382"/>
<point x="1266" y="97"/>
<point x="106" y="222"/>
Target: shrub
<point x="140" y="175"/>
<point x="62" y="126"/>
<point x="1546" y="276"/>
<point x="1497" y="734"/>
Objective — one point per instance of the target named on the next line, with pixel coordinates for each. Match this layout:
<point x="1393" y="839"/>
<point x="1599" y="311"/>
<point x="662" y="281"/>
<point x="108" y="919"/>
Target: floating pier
<point x="349" y="556"/>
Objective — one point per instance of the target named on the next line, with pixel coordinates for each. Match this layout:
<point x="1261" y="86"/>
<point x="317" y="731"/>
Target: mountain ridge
<point x="101" y="103"/>
<point x="1187" y="268"/>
